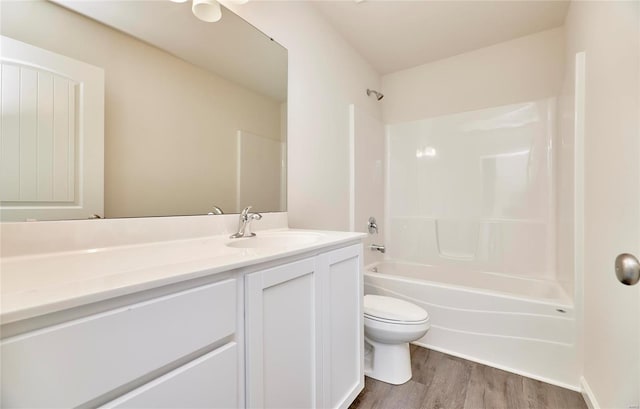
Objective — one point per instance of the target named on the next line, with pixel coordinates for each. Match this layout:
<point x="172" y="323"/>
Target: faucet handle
<point x="249" y="218"/>
<point x="245" y="211"/>
<point x="372" y="225"/>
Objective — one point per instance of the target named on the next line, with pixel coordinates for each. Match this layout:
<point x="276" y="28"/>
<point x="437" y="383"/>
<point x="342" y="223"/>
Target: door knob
<point x="627" y="269"/>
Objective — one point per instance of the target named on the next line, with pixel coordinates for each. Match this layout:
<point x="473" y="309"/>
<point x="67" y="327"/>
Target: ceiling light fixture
<point x="207" y="10"/>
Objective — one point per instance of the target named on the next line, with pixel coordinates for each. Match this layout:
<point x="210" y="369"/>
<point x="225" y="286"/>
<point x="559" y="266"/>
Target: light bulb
<point x="207" y="10"/>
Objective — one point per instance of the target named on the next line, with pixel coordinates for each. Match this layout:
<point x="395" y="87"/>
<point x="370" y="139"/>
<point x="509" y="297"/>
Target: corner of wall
<point x="587" y="394"/>
<point x="326" y="75"/>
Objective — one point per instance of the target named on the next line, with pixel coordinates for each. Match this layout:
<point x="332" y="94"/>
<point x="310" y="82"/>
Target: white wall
<point x="609" y="33"/>
<point x="525" y="69"/>
<point x="325" y="76"/>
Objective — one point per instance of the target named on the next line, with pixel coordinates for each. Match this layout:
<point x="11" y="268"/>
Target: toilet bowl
<point x="389" y="325"/>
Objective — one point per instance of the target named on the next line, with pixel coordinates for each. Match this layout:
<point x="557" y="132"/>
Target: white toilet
<point x="389" y="325"/>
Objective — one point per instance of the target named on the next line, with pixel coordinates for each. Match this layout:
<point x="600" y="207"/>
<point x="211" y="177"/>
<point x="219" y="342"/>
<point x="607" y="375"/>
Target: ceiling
<point x="393" y="35"/>
<point x="231" y="47"/>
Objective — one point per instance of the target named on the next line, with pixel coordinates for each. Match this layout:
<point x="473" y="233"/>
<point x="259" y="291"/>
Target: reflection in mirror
<point x="193" y="114"/>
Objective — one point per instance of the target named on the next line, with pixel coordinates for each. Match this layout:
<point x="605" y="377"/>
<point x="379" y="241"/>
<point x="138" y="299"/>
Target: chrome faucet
<point x="377" y="247"/>
<point x="216" y="210"/>
<point x="372" y="225"/>
<point x="245" y="220"/>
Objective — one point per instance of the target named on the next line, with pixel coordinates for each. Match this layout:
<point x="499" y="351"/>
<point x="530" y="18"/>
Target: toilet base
<point x="390" y="363"/>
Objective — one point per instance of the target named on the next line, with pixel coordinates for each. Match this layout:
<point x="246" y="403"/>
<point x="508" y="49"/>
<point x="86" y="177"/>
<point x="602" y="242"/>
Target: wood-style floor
<point x="442" y="381"/>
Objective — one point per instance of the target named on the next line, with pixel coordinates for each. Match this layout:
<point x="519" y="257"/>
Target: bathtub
<point x="521" y="325"/>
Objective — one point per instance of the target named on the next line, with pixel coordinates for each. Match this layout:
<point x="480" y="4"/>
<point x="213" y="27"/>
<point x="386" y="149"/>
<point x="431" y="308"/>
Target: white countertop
<point x="38" y="284"/>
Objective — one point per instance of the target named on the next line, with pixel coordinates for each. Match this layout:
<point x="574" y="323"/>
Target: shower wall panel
<point x="565" y="157"/>
<point x="475" y="189"/>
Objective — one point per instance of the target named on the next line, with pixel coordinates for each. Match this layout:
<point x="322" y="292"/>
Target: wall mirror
<point x="138" y="108"/>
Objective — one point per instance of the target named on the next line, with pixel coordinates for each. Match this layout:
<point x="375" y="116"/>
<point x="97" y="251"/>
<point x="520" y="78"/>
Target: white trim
<point x="238" y="169"/>
<point x="575" y="388"/>
<point x="587" y="394"/>
<point x="352" y="167"/>
<point x="386" y="229"/>
<point x="579" y="206"/>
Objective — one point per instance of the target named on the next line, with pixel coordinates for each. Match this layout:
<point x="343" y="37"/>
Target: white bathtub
<point x="520" y="325"/>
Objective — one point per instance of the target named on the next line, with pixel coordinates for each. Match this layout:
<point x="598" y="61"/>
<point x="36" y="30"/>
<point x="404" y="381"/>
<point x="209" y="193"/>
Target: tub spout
<point x="378" y="247"/>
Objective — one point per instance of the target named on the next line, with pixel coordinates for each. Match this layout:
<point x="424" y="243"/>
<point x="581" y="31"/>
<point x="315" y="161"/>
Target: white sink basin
<point x="275" y="240"/>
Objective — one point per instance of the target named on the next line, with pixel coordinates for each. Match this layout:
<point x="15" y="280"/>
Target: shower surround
<point x="475" y="190"/>
<point x="470" y="228"/>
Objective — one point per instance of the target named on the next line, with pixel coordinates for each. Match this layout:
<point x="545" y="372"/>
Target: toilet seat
<point x="398" y="322"/>
<point x="393" y="311"/>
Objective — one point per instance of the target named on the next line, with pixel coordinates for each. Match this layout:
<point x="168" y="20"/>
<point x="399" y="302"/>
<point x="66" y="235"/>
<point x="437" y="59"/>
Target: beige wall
<point x="525" y="69"/>
<point x="325" y="76"/>
<point x="609" y="33"/>
<point x="169" y="123"/>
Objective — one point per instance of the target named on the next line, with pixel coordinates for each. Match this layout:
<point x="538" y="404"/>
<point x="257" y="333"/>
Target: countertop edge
<point x="45" y="308"/>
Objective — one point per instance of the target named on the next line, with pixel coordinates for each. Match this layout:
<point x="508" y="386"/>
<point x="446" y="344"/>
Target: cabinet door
<point x="342" y="326"/>
<point x="282" y="331"/>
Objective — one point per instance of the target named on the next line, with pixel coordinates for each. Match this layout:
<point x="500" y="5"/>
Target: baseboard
<point x="349" y="399"/>
<point x="588" y="395"/>
<point x="575" y="388"/>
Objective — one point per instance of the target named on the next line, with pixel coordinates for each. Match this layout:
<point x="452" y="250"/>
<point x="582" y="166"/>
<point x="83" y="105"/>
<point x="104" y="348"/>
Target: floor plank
<point x="419" y="357"/>
<point x="373" y="395"/>
<point x="442" y="381"/>
<point x="552" y="396"/>
<point x="493" y="388"/>
<point x="407" y="395"/>
<point x="447" y="388"/>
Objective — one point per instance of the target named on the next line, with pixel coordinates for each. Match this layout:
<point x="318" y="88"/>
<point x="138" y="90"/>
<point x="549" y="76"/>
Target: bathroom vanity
<point x="269" y="321"/>
<point x="134" y="311"/>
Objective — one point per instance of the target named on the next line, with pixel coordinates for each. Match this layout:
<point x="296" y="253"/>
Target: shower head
<point x="379" y="95"/>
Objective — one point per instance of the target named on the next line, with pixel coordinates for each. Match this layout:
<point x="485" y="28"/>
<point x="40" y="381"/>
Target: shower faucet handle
<point x="372" y="226"/>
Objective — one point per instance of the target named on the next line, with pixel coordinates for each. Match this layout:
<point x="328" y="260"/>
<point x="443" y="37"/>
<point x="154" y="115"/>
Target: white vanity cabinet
<point x="289" y="335"/>
<point x="304" y="332"/>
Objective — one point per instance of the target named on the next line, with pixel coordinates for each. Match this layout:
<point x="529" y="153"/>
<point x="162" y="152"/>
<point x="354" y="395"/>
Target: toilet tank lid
<point x="393" y="309"/>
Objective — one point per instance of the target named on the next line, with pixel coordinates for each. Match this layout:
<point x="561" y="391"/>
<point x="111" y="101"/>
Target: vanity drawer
<point x="75" y="362"/>
<point x="210" y="381"/>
